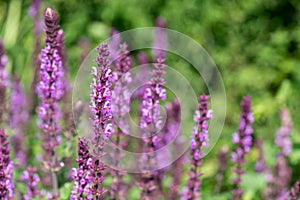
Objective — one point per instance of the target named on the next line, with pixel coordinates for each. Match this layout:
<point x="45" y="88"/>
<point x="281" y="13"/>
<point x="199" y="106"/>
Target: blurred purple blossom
<point x="120" y="108"/>
<point x="6" y="167"/>
<point x="18" y="119"/>
<point x="243" y="140"/>
<point x="222" y="161"/>
<point x="199" y="140"/>
<point x="3" y="79"/>
<point x="283" y="135"/>
<point x="160" y="39"/>
<point x="31" y="179"/>
<point x="260" y="165"/>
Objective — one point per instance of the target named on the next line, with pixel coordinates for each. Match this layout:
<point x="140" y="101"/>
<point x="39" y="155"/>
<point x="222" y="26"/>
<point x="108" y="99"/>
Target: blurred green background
<point x="255" y="45"/>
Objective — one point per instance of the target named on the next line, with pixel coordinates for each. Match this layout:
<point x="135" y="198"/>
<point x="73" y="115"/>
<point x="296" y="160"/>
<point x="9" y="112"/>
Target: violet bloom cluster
<point x="18" y="119"/>
<point x="32" y="179"/>
<point x="243" y="141"/>
<point x="82" y="175"/>
<point x="199" y="141"/>
<point x="3" y="79"/>
<point x="6" y="167"/>
<point x="100" y="107"/>
<point x="120" y="107"/>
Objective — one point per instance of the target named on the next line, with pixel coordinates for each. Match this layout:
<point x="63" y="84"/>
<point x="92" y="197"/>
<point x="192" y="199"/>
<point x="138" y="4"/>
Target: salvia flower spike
<point x="243" y="141"/>
<point x="50" y="91"/>
<point x="82" y="174"/>
<point x="6" y="167"/>
<point x="198" y="141"/>
<point x="100" y="107"/>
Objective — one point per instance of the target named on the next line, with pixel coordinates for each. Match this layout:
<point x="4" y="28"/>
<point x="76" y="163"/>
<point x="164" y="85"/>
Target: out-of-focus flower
<point x="243" y="140"/>
<point x="6" y="167"/>
<point x="199" y="140"/>
<point x="32" y="179"/>
<point x="82" y="175"/>
<point x="150" y="123"/>
<point x="100" y="107"/>
<point x="283" y="135"/>
<point x="120" y="108"/>
<point x="3" y="79"/>
<point x="222" y="161"/>
<point x="18" y="119"/>
<point x="160" y="39"/>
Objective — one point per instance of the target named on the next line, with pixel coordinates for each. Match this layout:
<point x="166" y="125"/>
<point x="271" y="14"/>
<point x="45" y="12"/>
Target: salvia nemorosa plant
<point x="3" y="80"/>
<point x="100" y="107"/>
<point x="50" y="90"/>
<point x="222" y="161"/>
<point x="279" y="178"/>
<point x="151" y="122"/>
<point x="243" y="143"/>
<point x="6" y="167"/>
<point x="260" y="165"/>
<point x="18" y="119"/>
<point x="120" y="108"/>
<point x="199" y="141"/>
<point x="32" y="180"/>
<point x="34" y="13"/>
<point x="82" y="174"/>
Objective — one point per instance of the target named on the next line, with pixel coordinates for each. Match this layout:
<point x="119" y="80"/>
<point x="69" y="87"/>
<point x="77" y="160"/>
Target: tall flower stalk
<point x="82" y="175"/>
<point x="222" y="161"/>
<point x="100" y="107"/>
<point x="243" y="142"/>
<point x="199" y="141"/>
<point x="50" y="91"/>
<point x="121" y="107"/>
<point x="3" y="80"/>
<point x="6" y="167"/>
<point x="150" y="123"/>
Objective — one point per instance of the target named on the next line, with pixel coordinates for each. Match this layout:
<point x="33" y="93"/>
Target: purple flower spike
<point x="6" y="167"/>
<point x="50" y="91"/>
<point x="283" y="135"/>
<point x="243" y="140"/>
<point x="3" y="79"/>
<point x="18" y="119"/>
<point x="82" y="175"/>
<point x="100" y="107"/>
<point x="199" y="141"/>
<point x="32" y="180"/>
